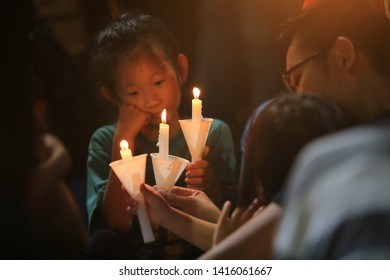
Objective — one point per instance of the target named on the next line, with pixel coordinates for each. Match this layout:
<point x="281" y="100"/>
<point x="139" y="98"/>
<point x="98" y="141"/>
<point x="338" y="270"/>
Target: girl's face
<point x="151" y="86"/>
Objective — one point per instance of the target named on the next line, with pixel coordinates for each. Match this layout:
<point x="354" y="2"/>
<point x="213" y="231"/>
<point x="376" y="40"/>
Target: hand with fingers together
<point x="193" y="202"/>
<point x="196" y="231"/>
<point x="226" y="225"/>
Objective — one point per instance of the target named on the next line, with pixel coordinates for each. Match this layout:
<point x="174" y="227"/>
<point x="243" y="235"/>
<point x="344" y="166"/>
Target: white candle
<point x="196" y="105"/>
<point x="125" y="151"/>
<point x="163" y="137"/>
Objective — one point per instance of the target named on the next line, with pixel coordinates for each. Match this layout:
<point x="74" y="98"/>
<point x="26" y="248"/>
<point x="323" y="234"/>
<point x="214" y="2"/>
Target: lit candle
<point x="163" y="137"/>
<point x="196" y="105"/>
<point x="125" y="151"/>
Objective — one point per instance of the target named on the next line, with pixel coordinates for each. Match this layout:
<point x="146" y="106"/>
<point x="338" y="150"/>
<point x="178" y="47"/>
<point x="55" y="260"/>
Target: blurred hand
<point x="55" y="162"/>
<point x="193" y="202"/>
<point x="226" y="225"/>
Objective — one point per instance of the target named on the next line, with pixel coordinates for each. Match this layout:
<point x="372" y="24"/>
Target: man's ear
<point x="182" y="63"/>
<point x="346" y="53"/>
<point x="109" y="96"/>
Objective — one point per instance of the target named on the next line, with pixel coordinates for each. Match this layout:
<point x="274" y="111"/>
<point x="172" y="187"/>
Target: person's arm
<point x="193" y="202"/>
<point x="130" y="122"/>
<point x="196" y="231"/>
<point x="254" y="240"/>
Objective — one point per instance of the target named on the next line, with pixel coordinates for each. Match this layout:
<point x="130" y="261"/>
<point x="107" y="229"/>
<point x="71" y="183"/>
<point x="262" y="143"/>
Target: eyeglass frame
<point x="286" y="75"/>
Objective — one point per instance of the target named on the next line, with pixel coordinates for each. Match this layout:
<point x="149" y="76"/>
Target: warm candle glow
<point x="125" y="151"/>
<point x="164" y="116"/>
<point x="196" y="92"/>
<point x="163" y="136"/>
<point x="124" y="145"/>
<point x="196" y="105"/>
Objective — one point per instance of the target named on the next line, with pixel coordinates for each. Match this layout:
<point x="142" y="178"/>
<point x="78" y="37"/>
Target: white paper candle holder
<point x="195" y="134"/>
<point x="167" y="171"/>
<point x="131" y="173"/>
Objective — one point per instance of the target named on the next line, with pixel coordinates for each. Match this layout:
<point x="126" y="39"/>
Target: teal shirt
<point x="221" y="158"/>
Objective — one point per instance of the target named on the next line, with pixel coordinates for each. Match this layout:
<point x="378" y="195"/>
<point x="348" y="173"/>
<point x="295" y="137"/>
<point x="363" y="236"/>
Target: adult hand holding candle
<point x="196" y="105"/>
<point x="163" y="137"/>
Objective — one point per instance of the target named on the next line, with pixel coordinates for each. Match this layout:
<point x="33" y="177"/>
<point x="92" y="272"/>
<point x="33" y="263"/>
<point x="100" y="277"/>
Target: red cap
<point x="384" y="5"/>
<point x="308" y="3"/>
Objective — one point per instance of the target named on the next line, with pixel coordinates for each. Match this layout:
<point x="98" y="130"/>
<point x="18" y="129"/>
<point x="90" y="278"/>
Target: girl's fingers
<point x="248" y="213"/>
<point x="196" y="182"/>
<point x="258" y="211"/>
<point x="197" y="164"/>
<point x="132" y="210"/>
<point x="224" y="212"/>
<point x="237" y="214"/>
<point x="132" y="206"/>
<point x="182" y="191"/>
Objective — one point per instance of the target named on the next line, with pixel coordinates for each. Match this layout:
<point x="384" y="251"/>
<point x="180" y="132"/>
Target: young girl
<point x="140" y="70"/>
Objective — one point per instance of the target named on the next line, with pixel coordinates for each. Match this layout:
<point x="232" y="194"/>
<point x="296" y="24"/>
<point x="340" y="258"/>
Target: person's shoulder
<point x="104" y="133"/>
<point x="218" y="122"/>
<point x="219" y="129"/>
<point x="104" y="130"/>
<point x="219" y="125"/>
<point x="334" y="150"/>
<point x="347" y="142"/>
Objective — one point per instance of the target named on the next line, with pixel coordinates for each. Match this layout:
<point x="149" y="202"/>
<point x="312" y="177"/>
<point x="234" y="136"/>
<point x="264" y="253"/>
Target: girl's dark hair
<point x="132" y="36"/>
<point x="277" y="135"/>
<point x="317" y="27"/>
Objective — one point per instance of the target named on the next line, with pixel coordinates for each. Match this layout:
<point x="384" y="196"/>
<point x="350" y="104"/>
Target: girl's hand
<point x="131" y="121"/>
<point x="131" y="208"/>
<point x="200" y="176"/>
<point x="226" y="225"/>
<point x="193" y="202"/>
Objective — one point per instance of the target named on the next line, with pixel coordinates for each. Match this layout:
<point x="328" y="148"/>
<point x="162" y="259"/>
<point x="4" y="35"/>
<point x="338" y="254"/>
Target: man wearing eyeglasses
<point x="332" y="55"/>
<point x="338" y="199"/>
<point x="338" y="49"/>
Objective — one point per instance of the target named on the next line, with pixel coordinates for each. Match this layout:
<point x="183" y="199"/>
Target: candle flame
<point x="196" y="92"/>
<point x="124" y="145"/>
<point x="164" y="116"/>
